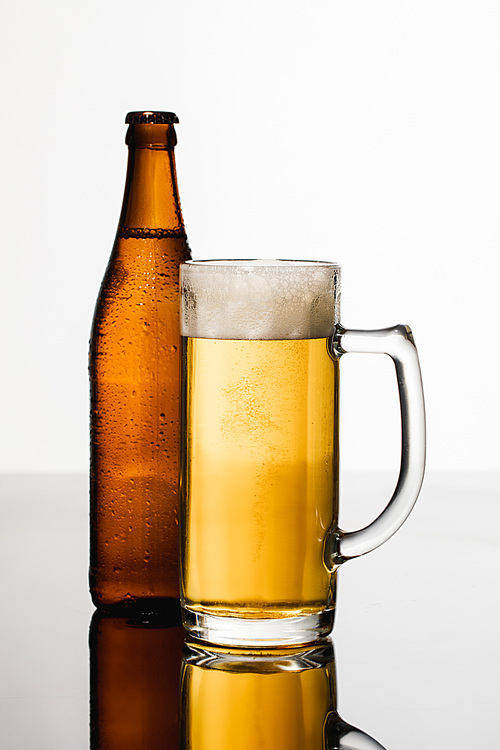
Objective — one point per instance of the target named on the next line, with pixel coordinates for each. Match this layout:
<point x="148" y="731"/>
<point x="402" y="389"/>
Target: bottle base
<point x="168" y="607"/>
<point x="237" y="631"/>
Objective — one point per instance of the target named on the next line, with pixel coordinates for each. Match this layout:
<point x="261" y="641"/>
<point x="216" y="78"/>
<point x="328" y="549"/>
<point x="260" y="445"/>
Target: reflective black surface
<point x="151" y="689"/>
<point x="416" y="635"/>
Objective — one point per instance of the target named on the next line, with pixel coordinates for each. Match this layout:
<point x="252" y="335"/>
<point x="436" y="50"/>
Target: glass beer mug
<point x="260" y="541"/>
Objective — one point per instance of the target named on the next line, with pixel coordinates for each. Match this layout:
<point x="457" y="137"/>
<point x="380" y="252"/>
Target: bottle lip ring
<point x="150" y="117"/>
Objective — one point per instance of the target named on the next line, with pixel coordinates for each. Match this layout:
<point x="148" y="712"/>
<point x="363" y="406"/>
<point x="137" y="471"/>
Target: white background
<point x="362" y="132"/>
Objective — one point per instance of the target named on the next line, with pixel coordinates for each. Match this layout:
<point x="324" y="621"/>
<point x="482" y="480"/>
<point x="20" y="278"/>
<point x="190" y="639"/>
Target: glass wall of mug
<point x="260" y="543"/>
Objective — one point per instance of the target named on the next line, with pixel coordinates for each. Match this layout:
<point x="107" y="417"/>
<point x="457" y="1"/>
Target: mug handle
<point x="398" y="343"/>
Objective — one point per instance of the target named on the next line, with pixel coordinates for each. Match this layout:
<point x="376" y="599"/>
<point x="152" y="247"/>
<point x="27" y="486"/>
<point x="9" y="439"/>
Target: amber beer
<point x="260" y="474"/>
<point x="262" y="432"/>
<point x="134" y="381"/>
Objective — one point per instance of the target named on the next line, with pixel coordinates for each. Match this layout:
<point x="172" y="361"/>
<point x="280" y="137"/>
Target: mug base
<point x="237" y="631"/>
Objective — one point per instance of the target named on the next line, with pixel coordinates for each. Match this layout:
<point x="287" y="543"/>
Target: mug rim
<point x="251" y="263"/>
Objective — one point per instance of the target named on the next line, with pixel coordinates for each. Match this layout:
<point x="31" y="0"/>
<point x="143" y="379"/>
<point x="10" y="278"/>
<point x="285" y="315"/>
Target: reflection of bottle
<point x="134" y="381"/>
<point x="270" y="700"/>
<point x="134" y="682"/>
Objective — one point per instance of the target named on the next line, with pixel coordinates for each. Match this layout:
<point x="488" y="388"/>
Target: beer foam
<point x="259" y="299"/>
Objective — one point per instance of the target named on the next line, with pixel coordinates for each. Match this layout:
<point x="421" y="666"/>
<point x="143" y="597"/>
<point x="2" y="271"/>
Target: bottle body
<point x="134" y="383"/>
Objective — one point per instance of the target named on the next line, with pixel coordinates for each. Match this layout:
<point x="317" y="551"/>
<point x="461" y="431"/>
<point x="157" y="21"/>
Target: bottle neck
<point x="151" y="206"/>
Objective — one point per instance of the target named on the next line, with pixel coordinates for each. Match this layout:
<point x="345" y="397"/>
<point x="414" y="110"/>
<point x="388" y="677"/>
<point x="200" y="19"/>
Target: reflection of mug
<point x="277" y="700"/>
<point x="260" y="543"/>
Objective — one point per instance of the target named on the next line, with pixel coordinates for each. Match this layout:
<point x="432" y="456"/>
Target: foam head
<point x="259" y="299"/>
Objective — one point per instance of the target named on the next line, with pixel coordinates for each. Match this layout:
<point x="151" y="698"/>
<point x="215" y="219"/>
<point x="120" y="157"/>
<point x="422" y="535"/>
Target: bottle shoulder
<point x="140" y="279"/>
<point x="135" y="261"/>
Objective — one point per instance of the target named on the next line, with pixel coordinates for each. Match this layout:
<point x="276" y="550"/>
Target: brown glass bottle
<point x="134" y="382"/>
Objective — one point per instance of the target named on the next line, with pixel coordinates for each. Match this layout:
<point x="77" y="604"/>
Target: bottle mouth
<point x="147" y="117"/>
<point x="151" y="130"/>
